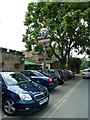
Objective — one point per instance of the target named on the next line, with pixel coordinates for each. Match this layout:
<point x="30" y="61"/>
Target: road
<point x="69" y="100"/>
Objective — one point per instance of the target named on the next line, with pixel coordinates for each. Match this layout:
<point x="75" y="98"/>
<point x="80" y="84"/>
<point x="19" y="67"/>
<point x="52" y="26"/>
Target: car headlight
<point x="46" y="90"/>
<point x="25" y="97"/>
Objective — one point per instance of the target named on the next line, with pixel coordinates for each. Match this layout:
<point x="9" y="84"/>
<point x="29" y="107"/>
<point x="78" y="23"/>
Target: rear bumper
<point x="85" y="76"/>
<point x="52" y="85"/>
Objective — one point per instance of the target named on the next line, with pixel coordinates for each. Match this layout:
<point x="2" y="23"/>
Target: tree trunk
<point x="61" y="59"/>
<point x="68" y="62"/>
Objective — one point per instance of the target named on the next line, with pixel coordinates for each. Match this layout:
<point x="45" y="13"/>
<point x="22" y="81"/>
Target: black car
<point x="57" y="74"/>
<point x="20" y="94"/>
<point x="60" y="75"/>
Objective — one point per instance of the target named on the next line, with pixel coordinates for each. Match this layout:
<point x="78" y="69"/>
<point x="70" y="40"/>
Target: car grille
<point x="40" y="96"/>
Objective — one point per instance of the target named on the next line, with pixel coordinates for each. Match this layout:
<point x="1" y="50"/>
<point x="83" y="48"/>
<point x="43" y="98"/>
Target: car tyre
<point x="9" y="107"/>
<point x="84" y="77"/>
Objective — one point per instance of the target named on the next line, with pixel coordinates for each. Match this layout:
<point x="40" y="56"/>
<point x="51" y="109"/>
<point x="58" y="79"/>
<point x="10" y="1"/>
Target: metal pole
<point x="44" y="57"/>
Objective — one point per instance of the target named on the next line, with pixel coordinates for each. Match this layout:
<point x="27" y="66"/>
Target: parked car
<point x="20" y="94"/>
<point x="60" y="75"/>
<point x="64" y="74"/>
<point x="69" y="73"/>
<point x="86" y="73"/>
<point x="51" y="74"/>
<point x="56" y="74"/>
<point x="41" y="78"/>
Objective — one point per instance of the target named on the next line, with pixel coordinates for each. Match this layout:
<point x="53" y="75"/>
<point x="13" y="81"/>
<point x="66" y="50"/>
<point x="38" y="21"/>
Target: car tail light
<point x="50" y="80"/>
<point x="59" y="75"/>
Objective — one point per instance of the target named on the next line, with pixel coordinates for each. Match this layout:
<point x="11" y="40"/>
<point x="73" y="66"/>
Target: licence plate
<point x="43" y="101"/>
<point x="55" y="79"/>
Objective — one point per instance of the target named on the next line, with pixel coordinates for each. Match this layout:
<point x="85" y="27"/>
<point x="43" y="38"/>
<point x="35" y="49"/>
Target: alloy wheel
<point x="9" y="107"/>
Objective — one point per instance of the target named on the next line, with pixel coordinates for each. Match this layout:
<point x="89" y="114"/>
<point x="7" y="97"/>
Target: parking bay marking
<point x="59" y="103"/>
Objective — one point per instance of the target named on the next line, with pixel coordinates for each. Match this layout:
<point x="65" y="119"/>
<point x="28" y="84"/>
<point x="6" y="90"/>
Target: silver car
<point x="86" y="73"/>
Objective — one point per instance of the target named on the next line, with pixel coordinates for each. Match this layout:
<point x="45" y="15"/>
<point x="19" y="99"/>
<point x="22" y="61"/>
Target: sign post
<point x="44" y="40"/>
<point x="44" y="56"/>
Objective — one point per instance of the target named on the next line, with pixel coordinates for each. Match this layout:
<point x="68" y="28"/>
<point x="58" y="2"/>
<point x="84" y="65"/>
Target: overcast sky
<point x="12" y="15"/>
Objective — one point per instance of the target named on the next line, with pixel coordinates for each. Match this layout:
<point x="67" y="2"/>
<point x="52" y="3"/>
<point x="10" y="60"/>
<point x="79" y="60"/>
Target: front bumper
<point x="30" y="106"/>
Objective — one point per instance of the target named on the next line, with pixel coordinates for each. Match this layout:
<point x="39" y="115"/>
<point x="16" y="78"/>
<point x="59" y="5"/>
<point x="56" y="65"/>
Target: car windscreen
<point x="15" y="78"/>
<point x="86" y="70"/>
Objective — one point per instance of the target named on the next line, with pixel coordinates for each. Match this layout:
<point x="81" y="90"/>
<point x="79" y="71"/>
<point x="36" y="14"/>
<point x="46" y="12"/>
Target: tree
<point x="49" y="53"/>
<point x="68" y="26"/>
<point x="85" y="64"/>
<point x="75" y="64"/>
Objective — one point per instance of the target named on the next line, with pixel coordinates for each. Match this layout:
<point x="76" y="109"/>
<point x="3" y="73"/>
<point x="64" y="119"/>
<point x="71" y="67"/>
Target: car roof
<point x="86" y="69"/>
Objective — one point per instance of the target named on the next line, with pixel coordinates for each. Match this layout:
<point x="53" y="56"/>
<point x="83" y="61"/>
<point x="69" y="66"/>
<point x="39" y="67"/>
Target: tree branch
<point x="56" y="55"/>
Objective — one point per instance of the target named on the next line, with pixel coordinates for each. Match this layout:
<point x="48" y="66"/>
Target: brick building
<point x="34" y="56"/>
<point x="11" y="60"/>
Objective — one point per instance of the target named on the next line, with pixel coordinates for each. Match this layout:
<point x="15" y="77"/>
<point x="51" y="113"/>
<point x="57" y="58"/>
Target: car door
<point x="34" y="77"/>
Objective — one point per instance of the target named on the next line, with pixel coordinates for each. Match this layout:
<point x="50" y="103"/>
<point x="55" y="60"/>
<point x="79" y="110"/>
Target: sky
<point x="12" y="16"/>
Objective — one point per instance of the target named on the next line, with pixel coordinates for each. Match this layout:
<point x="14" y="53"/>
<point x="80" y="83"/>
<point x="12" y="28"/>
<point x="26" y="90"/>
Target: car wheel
<point x="9" y="107"/>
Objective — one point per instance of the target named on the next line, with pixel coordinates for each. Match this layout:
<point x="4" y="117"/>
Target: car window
<point x="36" y="73"/>
<point x="0" y="79"/>
<point x="32" y="74"/>
<point x="15" y="78"/>
<point x="28" y="73"/>
<point x="85" y="71"/>
<point x="25" y="73"/>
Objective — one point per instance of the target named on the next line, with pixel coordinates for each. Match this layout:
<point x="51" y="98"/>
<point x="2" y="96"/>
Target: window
<point x="15" y="78"/>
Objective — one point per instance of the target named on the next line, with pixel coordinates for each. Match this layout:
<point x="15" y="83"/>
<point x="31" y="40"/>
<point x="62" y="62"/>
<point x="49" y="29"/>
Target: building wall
<point x="11" y="60"/>
<point x="0" y="61"/>
<point x="33" y="55"/>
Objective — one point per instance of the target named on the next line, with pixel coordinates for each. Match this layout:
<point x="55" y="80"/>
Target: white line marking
<point x="59" y="103"/>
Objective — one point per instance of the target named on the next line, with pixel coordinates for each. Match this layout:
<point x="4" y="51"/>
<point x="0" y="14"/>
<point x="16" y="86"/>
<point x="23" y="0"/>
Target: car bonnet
<point x="26" y="88"/>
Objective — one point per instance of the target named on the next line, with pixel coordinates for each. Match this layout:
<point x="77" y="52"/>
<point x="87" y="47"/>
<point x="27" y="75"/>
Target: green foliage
<point x="85" y="64"/>
<point x="66" y="29"/>
<point x="75" y="64"/>
<point x="38" y="49"/>
<point x="49" y="53"/>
